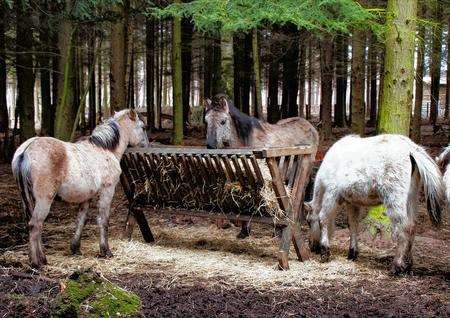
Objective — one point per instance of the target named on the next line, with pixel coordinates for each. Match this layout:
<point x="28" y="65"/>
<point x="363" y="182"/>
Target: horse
<point x="227" y="127"/>
<point x="443" y="162"/>
<point x="362" y="172"/>
<point x="46" y="167"/>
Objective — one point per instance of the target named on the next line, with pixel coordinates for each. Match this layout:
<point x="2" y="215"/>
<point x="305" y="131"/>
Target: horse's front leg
<point x="326" y="219"/>
<point x="353" y="224"/>
<point x="81" y="221"/>
<point x="104" y="206"/>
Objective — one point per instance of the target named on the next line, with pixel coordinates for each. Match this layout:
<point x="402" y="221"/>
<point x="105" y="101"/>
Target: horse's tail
<point x="432" y="182"/>
<point x="21" y="168"/>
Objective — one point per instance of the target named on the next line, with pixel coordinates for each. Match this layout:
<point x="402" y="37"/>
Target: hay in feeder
<point x="170" y="184"/>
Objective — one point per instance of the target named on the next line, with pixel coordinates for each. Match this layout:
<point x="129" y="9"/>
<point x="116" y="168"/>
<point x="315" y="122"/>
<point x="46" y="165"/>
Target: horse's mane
<point x="243" y="122"/>
<point x="106" y="135"/>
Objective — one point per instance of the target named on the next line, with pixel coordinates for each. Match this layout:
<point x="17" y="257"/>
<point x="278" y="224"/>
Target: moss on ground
<point x="377" y="220"/>
<point x="87" y="295"/>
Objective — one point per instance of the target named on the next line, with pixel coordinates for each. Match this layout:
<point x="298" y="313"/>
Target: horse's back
<point x="299" y="130"/>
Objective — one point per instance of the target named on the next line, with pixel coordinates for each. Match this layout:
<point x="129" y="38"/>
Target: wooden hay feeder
<point x="197" y="182"/>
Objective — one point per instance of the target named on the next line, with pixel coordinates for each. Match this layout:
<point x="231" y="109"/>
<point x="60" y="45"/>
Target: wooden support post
<point x="143" y="225"/>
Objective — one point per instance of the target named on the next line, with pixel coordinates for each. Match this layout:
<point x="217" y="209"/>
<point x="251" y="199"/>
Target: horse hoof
<point x="105" y="253"/>
<point x="352" y="254"/>
<point x="75" y="249"/>
<point x="398" y="270"/>
<point x="314" y="247"/>
<point x="325" y="254"/>
<point x="243" y="235"/>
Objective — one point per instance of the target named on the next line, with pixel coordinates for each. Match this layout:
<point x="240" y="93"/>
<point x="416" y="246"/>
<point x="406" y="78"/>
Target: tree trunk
<point x="186" y="62"/>
<point x="92" y="90"/>
<point x="48" y="112"/>
<point x="302" y="76"/>
<point x="118" y="61"/>
<point x="326" y="89"/>
<point x="447" y="94"/>
<point x="257" y="75"/>
<point x="208" y="49"/>
<point x="358" y="63"/>
<point x="226" y="64"/>
<point x="273" y="110"/>
<point x="150" y="71"/>
<point x="177" y="81"/>
<point x="4" y="121"/>
<point x="290" y="75"/>
<point x="310" y="78"/>
<point x="341" y="80"/>
<point x="417" y="117"/>
<point x="395" y="107"/>
<point x="24" y="70"/>
<point x="373" y="81"/>
<point x="99" y="82"/>
<point x="435" y="64"/>
<point x="67" y="106"/>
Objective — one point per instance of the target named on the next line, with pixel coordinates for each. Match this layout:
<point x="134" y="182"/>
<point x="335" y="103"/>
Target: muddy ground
<point x="196" y="269"/>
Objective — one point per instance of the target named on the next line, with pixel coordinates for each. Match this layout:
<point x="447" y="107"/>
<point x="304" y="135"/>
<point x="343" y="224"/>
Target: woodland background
<point x="66" y="65"/>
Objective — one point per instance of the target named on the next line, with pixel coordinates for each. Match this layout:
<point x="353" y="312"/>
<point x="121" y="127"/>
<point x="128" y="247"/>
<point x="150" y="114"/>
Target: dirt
<point x="196" y="269"/>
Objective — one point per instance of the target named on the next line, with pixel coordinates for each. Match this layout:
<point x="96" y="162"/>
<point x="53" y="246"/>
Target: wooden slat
<point x="287" y="151"/>
<point x="238" y="170"/>
<point x="278" y="185"/>
<point x="222" y="171"/>
<point x="248" y="171"/>
<point x="230" y="171"/>
<point x="296" y="162"/>
<point x="257" y="170"/>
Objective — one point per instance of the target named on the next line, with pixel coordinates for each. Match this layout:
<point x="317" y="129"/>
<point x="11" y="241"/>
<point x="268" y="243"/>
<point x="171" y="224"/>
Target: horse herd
<point x="355" y="173"/>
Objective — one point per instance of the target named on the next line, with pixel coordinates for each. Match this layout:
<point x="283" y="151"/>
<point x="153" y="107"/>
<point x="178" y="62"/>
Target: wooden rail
<point x="173" y="177"/>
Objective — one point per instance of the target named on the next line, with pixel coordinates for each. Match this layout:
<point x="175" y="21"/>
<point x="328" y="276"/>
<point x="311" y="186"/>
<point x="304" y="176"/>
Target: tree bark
<point x="447" y="94"/>
<point x="435" y="64"/>
<point x="67" y="106"/>
<point x="242" y="71"/>
<point x="358" y="63"/>
<point x="24" y="70"/>
<point x="4" y="120"/>
<point x="92" y="89"/>
<point x="150" y="71"/>
<point x="341" y="80"/>
<point x="290" y="75"/>
<point x="372" y="85"/>
<point x="417" y="117"/>
<point x="310" y="78"/>
<point x="118" y="61"/>
<point x="48" y="112"/>
<point x="4" y="123"/>
<point x="302" y="75"/>
<point x="257" y="75"/>
<point x="396" y="102"/>
<point x="326" y="89"/>
<point x="177" y="81"/>
<point x="226" y="64"/>
<point x="186" y="62"/>
<point x="273" y="110"/>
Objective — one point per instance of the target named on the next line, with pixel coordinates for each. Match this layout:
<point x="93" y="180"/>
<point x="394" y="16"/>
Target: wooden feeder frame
<point x="288" y="166"/>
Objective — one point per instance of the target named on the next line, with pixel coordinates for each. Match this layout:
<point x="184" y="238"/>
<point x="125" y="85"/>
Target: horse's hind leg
<point x="402" y="232"/>
<point x="104" y="205"/>
<point x="326" y="217"/>
<point x="40" y="212"/>
<point x="245" y="230"/>
<point x="81" y="221"/>
<point x="353" y="223"/>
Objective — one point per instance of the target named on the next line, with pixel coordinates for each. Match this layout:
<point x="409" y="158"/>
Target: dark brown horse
<point x="227" y="127"/>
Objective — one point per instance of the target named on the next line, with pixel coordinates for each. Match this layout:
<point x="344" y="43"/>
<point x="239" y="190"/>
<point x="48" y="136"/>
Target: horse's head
<point x="312" y="219"/>
<point x="218" y="122"/>
<point x="134" y="127"/>
<point x="443" y="159"/>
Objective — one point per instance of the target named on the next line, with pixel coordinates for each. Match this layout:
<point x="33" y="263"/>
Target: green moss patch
<point x="88" y="295"/>
<point x="377" y="220"/>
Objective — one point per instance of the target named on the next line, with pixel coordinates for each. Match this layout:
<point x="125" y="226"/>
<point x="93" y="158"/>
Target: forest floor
<point x="197" y="269"/>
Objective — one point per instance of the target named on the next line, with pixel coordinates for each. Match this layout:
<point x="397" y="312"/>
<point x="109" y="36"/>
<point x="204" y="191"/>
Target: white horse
<point x="444" y="163"/>
<point x="385" y="169"/>
<point x="77" y="172"/>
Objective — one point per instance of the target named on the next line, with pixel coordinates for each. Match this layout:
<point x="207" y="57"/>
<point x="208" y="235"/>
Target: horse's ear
<point x="133" y="115"/>
<point x="207" y="103"/>
<point x="223" y="104"/>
